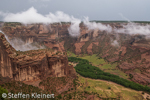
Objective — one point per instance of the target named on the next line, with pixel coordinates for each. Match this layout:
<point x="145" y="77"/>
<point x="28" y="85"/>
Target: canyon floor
<point x="81" y="88"/>
<point x="129" y="59"/>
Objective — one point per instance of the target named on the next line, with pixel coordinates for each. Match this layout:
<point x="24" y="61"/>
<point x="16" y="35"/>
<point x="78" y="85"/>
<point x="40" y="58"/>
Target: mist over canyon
<point x="34" y="46"/>
<point x="31" y="16"/>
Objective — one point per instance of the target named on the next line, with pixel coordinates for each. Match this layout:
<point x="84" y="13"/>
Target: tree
<point x="59" y="96"/>
<point x="2" y="90"/>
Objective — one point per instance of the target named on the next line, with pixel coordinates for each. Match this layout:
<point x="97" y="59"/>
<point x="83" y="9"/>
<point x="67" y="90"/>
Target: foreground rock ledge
<point x="33" y="64"/>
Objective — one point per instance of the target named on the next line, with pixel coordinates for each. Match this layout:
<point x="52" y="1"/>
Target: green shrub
<point x="87" y="70"/>
<point x="59" y="96"/>
<point x="131" y="76"/>
<point x="109" y="87"/>
<point x="2" y="90"/>
<point x="70" y="97"/>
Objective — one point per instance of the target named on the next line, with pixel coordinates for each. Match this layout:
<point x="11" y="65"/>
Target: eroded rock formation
<point x="132" y="52"/>
<point x="33" y="64"/>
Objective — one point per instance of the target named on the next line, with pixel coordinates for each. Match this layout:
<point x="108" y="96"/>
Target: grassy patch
<point x="100" y="63"/>
<point x="70" y="54"/>
<point x="102" y="89"/>
<point x="94" y="59"/>
<point x="87" y="70"/>
<point x="118" y="72"/>
<point x="137" y="71"/>
<point x="106" y="66"/>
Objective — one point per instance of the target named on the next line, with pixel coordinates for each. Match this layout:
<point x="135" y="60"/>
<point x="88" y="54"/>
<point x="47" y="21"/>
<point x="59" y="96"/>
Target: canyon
<point x="131" y="52"/>
<point x="34" y="64"/>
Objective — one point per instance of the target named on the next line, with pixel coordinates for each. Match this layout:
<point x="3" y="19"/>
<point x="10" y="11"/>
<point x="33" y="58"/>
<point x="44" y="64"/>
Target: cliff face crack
<point x="33" y="64"/>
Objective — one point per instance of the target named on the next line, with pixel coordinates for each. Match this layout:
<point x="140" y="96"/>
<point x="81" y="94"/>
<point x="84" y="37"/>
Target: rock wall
<point x="5" y="62"/>
<point x="132" y="52"/>
<point x="32" y="65"/>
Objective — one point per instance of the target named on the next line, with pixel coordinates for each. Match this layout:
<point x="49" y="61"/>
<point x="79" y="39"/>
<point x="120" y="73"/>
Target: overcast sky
<point x="134" y="10"/>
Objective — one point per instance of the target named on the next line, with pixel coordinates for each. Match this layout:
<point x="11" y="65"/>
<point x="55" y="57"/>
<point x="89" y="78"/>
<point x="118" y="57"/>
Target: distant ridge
<point x="117" y="21"/>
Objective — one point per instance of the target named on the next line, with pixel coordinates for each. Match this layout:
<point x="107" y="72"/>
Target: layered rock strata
<point x="33" y="64"/>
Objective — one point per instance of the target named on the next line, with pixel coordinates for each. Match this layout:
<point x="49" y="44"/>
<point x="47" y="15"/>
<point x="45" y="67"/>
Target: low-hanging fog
<point x="18" y="44"/>
<point x="32" y="16"/>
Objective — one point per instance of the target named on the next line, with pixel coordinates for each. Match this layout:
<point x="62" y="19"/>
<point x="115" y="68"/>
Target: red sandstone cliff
<point x="132" y="54"/>
<point x="33" y="64"/>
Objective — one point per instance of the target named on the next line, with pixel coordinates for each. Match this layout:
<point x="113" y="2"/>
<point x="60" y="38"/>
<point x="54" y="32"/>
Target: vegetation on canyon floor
<point x="101" y="63"/>
<point x="87" y="70"/>
<point x="81" y="89"/>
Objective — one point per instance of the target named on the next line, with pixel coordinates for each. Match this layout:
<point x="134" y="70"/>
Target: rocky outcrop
<point x="126" y="66"/>
<point x="132" y="51"/>
<point x="43" y="29"/>
<point x="78" y="47"/>
<point x="89" y="49"/>
<point x="33" y="64"/>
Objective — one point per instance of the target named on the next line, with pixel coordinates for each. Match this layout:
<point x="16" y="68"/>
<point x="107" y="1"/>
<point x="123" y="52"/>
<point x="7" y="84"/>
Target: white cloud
<point x="18" y="44"/>
<point x="115" y="43"/>
<point x="74" y="29"/>
<point x="134" y="28"/>
<point x="94" y="25"/>
<point x="32" y="16"/>
<point x="130" y="28"/>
